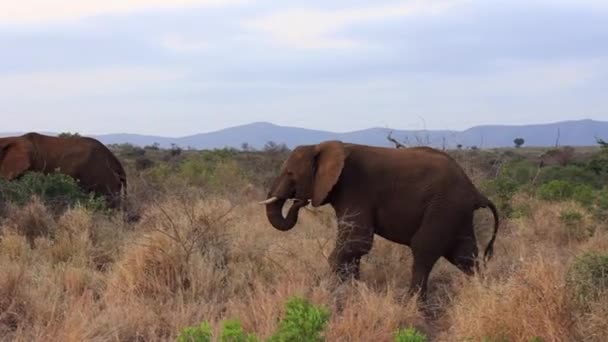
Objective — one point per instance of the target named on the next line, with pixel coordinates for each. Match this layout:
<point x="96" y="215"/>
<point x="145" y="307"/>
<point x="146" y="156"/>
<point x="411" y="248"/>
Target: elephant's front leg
<point x="354" y="240"/>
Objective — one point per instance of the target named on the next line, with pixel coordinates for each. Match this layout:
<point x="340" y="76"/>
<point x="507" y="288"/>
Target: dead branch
<point x="394" y="141"/>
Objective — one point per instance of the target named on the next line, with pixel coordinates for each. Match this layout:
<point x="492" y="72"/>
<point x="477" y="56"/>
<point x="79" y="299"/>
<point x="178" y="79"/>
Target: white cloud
<point x="43" y="11"/>
<point x="178" y="44"/>
<point x="40" y="86"/>
<point x="313" y="28"/>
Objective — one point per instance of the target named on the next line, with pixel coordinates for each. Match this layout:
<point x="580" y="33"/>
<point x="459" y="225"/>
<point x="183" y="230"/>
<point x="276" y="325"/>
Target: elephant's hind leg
<point x="424" y="260"/>
<point x="433" y="239"/>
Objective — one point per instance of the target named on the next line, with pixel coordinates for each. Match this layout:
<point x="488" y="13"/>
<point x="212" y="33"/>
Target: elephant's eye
<point x="290" y="173"/>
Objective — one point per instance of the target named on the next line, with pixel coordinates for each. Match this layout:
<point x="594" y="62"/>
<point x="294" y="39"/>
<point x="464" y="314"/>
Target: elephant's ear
<point x="330" y="158"/>
<point x="15" y="160"/>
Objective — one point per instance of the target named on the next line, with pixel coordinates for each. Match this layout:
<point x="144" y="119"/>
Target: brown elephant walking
<point x="85" y="159"/>
<point x="419" y="197"/>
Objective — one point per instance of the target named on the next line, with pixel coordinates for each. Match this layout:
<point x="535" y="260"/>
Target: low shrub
<point x="571" y="173"/>
<point x="556" y="190"/>
<point x="55" y="190"/>
<point x="409" y="335"/>
<point x="302" y="322"/>
<point x="588" y="277"/>
<point x="233" y="332"/>
<point x="601" y="205"/>
<point x="571" y="218"/>
<point x="201" y="333"/>
<point x="583" y="194"/>
<point x="574" y="222"/>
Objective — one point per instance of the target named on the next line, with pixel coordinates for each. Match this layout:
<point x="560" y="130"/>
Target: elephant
<point x="417" y="196"/>
<point x="85" y="159"/>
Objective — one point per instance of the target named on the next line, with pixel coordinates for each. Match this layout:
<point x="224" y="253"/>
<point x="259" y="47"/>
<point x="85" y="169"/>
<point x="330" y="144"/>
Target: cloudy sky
<point x="178" y="67"/>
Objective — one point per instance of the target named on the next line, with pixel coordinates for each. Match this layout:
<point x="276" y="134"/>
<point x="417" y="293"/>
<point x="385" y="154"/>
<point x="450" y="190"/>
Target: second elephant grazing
<point x="419" y="197"/>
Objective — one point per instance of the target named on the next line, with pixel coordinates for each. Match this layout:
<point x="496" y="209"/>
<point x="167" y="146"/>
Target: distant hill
<point x="573" y="133"/>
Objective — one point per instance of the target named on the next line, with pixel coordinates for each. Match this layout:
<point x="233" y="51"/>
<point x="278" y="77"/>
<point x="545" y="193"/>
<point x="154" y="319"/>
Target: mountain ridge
<point x="257" y="134"/>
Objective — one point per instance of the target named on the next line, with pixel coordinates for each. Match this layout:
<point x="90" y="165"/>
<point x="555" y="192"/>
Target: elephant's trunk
<point x="274" y="212"/>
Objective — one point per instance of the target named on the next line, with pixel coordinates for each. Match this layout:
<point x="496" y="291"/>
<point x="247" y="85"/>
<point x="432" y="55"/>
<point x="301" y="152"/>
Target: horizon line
<point x="303" y="128"/>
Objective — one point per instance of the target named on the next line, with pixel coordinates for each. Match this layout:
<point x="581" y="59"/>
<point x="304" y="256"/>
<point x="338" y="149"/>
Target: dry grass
<point x="191" y="258"/>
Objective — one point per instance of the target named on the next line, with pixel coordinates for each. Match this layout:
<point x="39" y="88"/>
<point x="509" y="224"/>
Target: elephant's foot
<point x="347" y="272"/>
<point x="346" y="267"/>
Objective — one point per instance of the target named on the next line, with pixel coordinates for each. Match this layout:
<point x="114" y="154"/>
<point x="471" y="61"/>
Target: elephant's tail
<point x="486" y="203"/>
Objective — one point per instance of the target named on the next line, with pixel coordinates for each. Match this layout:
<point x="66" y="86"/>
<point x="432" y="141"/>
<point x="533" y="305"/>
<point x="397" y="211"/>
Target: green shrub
<point x="69" y="135"/>
<point x="201" y="333"/>
<point x="303" y="322"/>
<point x="571" y="173"/>
<point x="588" y="277"/>
<point x="556" y="190"/>
<point x="583" y="194"/>
<point x="520" y="171"/>
<point x="130" y="150"/>
<point x="56" y="190"/>
<point x="601" y="205"/>
<point x="573" y="221"/>
<point x="520" y="210"/>
<point x="503" y="190"/>
<point x="571" y="217"/>
<point x="233" y="332"/>
<point x="409" y="335"/>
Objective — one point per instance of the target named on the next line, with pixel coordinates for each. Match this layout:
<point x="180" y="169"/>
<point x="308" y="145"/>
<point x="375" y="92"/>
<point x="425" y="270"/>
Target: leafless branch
<point x="394" y="141"/>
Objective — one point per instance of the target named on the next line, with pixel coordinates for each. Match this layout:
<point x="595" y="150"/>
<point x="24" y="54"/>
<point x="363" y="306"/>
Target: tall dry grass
<point x="88" y="277"/>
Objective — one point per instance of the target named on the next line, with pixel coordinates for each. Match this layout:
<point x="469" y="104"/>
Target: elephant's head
<point x="309" y="174"/>
<point x="14" y="157"/>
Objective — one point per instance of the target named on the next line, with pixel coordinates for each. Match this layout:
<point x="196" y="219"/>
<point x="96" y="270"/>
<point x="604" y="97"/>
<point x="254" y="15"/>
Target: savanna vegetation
<point x="203" y="263"/>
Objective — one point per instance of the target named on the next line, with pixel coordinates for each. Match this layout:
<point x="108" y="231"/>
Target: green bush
<point x="583" y="194"/>
<point x="588" y="277"/>
<point x="409" y="335"/>
<point x="302" y="322"/>
<point x="574" y="174"/>
<point x="520" y="210"/>
<point x="601" y="205"/>
<point x="201" y="333"/>
<point x="130" y="150"/>
<point x="233" y="332"/>
<point x="561" y="190"/>
<point x="515" y="176"/>
<point x="556" y="190"/>
<point x="571" y="218"/>
<point x="503" y="190"/>
<point x="56" y="190"/>
<point x="69" y="135"/>
<point x="520" y="171"/>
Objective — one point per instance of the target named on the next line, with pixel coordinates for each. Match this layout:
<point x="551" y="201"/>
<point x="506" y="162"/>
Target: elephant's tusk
<point x="269" y="201"/>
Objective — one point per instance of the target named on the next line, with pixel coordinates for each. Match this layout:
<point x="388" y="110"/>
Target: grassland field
<point x="203" y="250"/>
